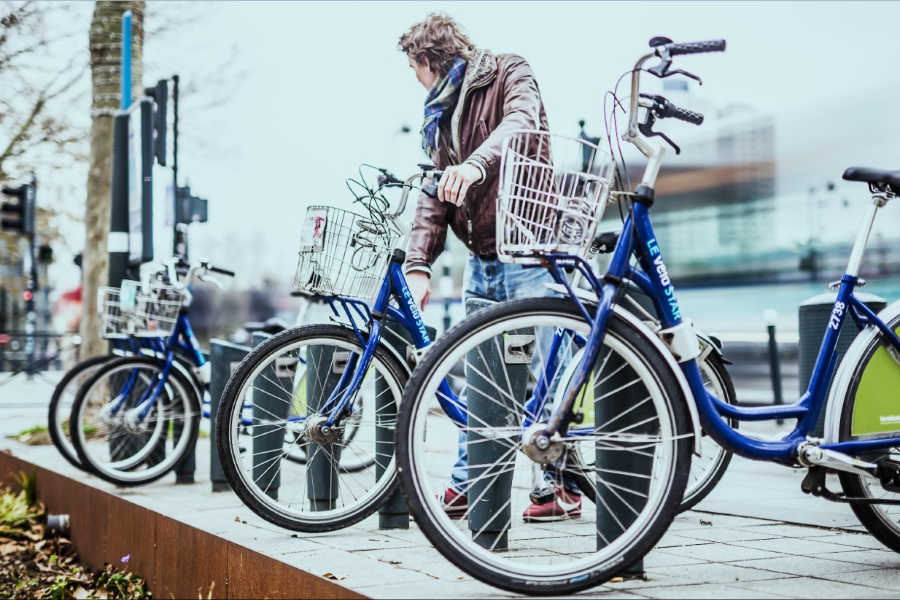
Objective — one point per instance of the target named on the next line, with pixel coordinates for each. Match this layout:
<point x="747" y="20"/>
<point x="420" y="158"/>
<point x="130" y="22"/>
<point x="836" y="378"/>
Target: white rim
<point x="453" y="536"/>
<point x="117" y="469"/>
<point x="244" y="470"/>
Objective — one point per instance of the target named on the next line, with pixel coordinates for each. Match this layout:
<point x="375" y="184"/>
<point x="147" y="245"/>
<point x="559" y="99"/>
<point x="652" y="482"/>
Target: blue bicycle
<point x="641" y="388"/>
<point x="315" y="451"/>
<point x="133" y="418"/>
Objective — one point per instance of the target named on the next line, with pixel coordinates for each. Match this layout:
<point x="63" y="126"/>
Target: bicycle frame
<point x="651" y="276"/>
<point x="638" y="237"/>
<point x="407" y="314"/>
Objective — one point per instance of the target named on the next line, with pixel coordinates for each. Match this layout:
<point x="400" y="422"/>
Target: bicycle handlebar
<point x="694" y="47"/>
<point x="221" y="271"/>
<point x="664" y="51"/>
<point x="665" y="109"/>
<point x="429" y="190"/>
<point x="201" y="269"/>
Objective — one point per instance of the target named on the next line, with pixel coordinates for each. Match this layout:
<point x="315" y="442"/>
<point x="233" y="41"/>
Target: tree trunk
<point x="106" y="75"/>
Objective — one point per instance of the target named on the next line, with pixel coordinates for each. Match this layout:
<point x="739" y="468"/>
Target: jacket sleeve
<point x="521" y="110"/>
<point x="428" y="235"/>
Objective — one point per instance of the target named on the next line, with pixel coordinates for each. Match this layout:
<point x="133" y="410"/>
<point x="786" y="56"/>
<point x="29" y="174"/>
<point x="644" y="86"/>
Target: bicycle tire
<point x="882" y="521"/>
<point x="228" y="443"/>
<point x="54" y="425"/>
<point x="471" y="558"/>
<point x="131" y="477"/>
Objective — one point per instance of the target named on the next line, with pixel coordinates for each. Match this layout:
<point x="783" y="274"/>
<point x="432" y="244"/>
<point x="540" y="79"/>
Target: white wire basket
<point x="553" y="191"/>
<point x="139" y="311"/>
<point x="344" y="254"/>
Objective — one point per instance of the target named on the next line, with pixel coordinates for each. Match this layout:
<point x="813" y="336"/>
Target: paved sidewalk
<point x="756" y="536"/>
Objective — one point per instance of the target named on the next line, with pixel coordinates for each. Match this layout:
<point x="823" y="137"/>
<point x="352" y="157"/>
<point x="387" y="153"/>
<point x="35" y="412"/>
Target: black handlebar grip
<point x="431" y="190"/>
<point x="220" y="271"/>
<point x="670" y="111"/>
<point x="697" y="47"/>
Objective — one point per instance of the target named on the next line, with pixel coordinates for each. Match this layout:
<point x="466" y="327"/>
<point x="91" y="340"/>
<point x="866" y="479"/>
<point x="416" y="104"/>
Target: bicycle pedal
<point x="544" y="495"/>
<point x="889" y="475"/>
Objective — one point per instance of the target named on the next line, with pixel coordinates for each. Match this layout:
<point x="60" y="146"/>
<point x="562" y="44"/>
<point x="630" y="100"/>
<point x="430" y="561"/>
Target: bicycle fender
<point x="653" y="338"/>
<point x="847" y="370"/>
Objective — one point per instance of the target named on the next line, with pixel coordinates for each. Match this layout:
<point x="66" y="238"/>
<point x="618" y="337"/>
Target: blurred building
<point x="757" y="197"/>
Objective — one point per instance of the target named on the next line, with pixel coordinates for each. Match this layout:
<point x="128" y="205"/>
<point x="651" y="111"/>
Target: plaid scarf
<point x="442" y="96"/>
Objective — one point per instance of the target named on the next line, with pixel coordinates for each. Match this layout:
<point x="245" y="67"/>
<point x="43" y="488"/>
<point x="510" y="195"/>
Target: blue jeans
<point x="493" y="280"/>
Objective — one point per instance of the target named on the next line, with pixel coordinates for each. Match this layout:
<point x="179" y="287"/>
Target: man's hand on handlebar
<point x="456" y="181"/>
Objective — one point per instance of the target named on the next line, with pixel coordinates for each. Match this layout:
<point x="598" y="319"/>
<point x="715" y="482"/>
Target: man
<point x="475" y="98"/>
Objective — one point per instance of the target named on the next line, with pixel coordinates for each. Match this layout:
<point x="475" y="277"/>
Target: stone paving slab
<point x="765" y="538"/>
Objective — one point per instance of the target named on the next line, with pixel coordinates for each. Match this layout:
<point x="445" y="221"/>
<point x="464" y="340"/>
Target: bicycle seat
<point x="877" y="177"/>
<point x="271" y="326"/>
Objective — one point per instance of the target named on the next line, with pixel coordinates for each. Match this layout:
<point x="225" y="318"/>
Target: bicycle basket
<point x="113" y="324"/>
<point x="553" y="191"/>
<point x="141" y="311"/>
<point x="343" y="254"/>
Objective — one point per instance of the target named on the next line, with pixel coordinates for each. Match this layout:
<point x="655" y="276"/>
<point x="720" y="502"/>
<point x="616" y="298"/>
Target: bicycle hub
<point x="321" y="433"/>
<point x="540" y="448"/>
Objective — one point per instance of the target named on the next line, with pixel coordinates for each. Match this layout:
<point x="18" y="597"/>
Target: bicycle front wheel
<point x="496" y="520"/>
<point x="61" y="405"/>
<point x="869" y="413"/>
<point x="274" y="450"/>
<point x="133" y="420"/>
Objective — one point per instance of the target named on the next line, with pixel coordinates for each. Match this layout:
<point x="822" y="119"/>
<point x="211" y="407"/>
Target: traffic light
<point x="160" y="94"/>
<point x="190" y="208"/>
<point x="45" y="254"/>
<point x="17" y="209"/>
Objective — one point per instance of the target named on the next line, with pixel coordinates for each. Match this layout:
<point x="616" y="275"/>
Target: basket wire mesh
<point x="343" y="253"/>
<point x="553" y="191"/>
<point x="140" y="311"/>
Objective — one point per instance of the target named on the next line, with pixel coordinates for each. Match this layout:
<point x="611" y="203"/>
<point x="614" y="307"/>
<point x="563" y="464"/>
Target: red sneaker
<point x="566" y="505"/>
<point x="455" y="504"/>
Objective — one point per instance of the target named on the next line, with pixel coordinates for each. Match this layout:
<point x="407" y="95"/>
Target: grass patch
<point x="39" y="435"/>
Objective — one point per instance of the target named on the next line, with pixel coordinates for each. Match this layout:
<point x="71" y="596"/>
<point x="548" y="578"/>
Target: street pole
<point x="117" y="241"/>
<point x="32" y="288"/>
<point x="179" y="236"/>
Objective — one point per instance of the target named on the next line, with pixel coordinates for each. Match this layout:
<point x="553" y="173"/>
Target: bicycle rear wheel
<point x="132" y="422"/>
<point x="630" y="431"/>
<point x="268" y="435"/>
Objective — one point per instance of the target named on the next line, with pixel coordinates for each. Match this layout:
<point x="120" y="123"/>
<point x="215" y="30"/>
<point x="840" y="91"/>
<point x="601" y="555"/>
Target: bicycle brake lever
<point x="662" y="71"/>
<point x="209" y="279"/>
<point x="686" y="74"/>
<point x="646" y="128"/>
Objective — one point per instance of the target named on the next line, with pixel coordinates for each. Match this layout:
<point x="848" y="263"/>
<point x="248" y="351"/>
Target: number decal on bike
<point x="836" y="313"/>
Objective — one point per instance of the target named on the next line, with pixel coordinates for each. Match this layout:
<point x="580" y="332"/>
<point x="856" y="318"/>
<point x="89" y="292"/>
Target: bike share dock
<point x="754" y="537"/>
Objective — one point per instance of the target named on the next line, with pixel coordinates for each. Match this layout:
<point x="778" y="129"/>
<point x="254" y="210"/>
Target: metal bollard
<point x="322" y="487"/>
<point x="394" y="514"/>
<point x="491" y="488"/>
<point x="814" y="316"/>
<point x="187" y="466"/>
<point x="224" y="358"/>
<point x="620" y="470"/>
<point x="774" y="359"/>
<point x="271" y="401"/>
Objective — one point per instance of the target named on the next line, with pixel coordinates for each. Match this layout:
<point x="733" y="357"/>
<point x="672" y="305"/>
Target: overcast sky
<point x="325" y="88"/>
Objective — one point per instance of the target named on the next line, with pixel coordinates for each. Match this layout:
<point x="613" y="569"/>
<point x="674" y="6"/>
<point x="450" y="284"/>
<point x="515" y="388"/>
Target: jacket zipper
<point x="474" y="86"/>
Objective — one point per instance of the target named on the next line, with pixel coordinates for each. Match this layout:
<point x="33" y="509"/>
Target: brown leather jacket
<point x="499" y="95"/>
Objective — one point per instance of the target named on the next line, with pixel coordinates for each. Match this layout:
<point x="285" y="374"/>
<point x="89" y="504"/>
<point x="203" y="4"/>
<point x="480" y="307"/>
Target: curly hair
<point x="440" y="39"/>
